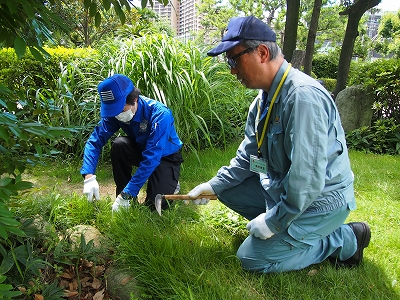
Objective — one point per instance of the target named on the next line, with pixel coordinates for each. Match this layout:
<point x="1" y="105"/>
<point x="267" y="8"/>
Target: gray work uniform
<point x="307" y="190"/>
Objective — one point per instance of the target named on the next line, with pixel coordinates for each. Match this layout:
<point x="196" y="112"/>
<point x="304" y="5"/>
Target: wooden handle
<point x="186" y="197"/>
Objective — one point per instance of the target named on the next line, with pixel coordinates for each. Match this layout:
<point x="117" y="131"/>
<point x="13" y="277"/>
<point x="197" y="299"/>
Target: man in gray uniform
<point x="291" y="176"/>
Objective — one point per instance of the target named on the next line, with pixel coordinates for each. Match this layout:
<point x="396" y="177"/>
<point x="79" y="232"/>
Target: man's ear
<point x="263" y="51"/>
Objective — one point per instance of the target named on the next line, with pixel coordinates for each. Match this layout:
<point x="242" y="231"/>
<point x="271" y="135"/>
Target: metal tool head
<point x="158" y="202"/>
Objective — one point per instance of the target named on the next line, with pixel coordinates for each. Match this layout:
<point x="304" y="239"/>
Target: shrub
<point x="53" y="93"/>
<point x="329" y="83"/>
<point x="325" y="65"/>
<point x="383" y="137"/>
<point x="28" y="73"/>
<point x="383" y="76"/>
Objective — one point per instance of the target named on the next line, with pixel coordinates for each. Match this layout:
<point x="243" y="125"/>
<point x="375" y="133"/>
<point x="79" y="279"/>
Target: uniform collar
<point x="139" y="111"/>
<point x="276" y="81"/>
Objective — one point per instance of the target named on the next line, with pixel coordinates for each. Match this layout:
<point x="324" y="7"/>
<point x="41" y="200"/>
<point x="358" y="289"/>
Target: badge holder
<point x="258" y="164"/>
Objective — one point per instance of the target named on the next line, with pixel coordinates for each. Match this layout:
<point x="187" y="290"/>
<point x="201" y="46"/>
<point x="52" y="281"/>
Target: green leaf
<point x="8" y="118"/>
<point x="15" y="230"/>
<point x="38" y="149"/>
<point x="106" y="4"/>
<point x="18" y="133"/>
<point x="3" y="233"/>
<point x="119" y="12"/>
<point x="9" y="294"/>
<point x="21" y="254"/>
<point x="127" y="5"/>
<point x="12" y="6"/>
<point x="4" y="195"/>
<point x="97" y="19"/>
<point x="87" y="3"/>
<point x="9" y="222"/>
<point x="36" y="54"/>
<point x="38" y="111"/>
<point x="33" y="124"/>
<point x="55" y="133"/>
<point x="4" y="90"/>
<point x="7" y="263"/>
<point x="93" y="9"/>
<point x="44" y="52"/>
<point x="5" y="181"/>
<point x="12" y="106"/>
<point x="19" y="46"/>
<point x="36" y="131"/>
<point x="28" y="8"/>
<point x="4" y="134"/>
<point x="23" y="185"/>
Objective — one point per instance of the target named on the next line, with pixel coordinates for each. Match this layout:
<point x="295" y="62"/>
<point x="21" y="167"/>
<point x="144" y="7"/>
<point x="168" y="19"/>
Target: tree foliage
<point x="215" y="14"/>
<point x="27" y="23"/>
<point x="388" y="42"/>
<point x="84" y="29"/>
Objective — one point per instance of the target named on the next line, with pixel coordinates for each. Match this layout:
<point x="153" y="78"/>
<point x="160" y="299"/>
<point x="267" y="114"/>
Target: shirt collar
<point x="139" y="111"/>
<point x="276" y="81"/>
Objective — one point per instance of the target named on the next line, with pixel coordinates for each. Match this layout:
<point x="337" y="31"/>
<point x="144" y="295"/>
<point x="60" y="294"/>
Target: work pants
<point x="324" y="233"/>
<point x="164" y="180"/>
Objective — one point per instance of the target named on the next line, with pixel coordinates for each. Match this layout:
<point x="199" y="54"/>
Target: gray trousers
<point x="326" y="235"/>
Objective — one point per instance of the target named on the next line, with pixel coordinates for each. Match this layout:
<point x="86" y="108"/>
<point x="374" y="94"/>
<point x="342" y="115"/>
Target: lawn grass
<point x="189" y="252"/>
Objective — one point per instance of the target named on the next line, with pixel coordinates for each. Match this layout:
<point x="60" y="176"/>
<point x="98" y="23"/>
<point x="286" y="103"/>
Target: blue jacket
<point x="154" y="132"/>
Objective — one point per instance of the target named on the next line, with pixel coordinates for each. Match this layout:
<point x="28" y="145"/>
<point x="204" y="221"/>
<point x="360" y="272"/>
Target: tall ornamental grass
<point x="208" y="104"/>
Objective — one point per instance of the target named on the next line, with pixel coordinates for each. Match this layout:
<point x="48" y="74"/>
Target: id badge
<point x="258" y="165"/>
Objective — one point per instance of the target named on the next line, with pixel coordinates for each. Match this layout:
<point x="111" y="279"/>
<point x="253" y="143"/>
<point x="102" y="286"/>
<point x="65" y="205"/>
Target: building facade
<point x="182" y="16"/>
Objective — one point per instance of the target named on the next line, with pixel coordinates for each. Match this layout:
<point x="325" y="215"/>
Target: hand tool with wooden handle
<point x="161" y="197"/>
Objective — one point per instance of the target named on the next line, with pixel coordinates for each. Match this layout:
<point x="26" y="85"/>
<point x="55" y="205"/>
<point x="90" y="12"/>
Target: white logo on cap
<point x="107" y="95"/>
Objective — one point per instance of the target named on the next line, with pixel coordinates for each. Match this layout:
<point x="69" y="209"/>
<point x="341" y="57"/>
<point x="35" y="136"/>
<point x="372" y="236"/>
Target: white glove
<point x="120" y="202"/>
<point x="204" y="188"/>
<point x="259" y="228"/>
<point x="91" y="188"/>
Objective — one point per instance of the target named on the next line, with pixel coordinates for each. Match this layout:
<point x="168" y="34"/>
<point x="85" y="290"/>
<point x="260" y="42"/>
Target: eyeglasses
<point x="232" y="60"/>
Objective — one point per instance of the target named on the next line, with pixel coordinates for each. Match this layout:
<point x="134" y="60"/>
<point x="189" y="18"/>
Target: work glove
<point x="91" y="188"/>
<point x="120" y="202"/>
<point x="204" y="188"/>
<point x="259" y="228"/>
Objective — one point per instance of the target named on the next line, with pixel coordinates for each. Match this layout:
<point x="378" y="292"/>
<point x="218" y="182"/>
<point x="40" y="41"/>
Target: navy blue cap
<point x="243" y="28"/>
<point x="113" y="92"/>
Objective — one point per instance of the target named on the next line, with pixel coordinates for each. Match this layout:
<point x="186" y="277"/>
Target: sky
<point x="389" y="5"/>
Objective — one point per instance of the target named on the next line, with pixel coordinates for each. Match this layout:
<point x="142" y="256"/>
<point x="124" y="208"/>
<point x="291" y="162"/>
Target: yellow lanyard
<point x="260" y="140"/>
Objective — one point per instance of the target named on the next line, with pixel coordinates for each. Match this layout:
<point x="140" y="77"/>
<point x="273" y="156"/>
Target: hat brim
<point x="112" y="109"/>
<point x="222" y="47"/>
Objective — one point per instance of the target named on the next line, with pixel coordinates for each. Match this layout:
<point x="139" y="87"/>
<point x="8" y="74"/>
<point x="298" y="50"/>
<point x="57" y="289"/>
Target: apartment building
<point x="182" y="16"/>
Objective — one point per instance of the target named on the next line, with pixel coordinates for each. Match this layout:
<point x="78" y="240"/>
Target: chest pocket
<point x="275" y="145"/>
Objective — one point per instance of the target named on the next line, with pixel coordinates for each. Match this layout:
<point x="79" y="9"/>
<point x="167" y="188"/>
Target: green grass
<point x="189" y="252"/>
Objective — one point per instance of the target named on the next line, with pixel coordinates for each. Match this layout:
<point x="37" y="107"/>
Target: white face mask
<point x="125" y="116"/>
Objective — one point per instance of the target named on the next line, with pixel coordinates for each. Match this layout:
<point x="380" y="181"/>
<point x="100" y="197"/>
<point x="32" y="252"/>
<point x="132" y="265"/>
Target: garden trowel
<point x="161" y="197"/>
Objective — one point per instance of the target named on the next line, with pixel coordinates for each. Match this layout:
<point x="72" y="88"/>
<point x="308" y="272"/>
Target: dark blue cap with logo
<point x="243" y="28"/>
<point x="113" y="92"/>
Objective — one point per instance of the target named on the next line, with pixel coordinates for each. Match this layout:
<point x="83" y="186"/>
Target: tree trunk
<point x="292" y="21"/>
<point x="312" y="33"/>
<point x="355" y="12"/>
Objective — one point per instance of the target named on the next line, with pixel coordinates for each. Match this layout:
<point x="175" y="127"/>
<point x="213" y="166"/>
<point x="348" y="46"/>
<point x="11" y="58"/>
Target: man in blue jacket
<point x="151" y="144"/>
<point x="291" y="177"/>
